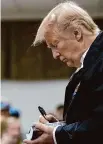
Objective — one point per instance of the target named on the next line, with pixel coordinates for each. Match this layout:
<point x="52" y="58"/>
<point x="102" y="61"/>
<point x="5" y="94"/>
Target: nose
<point x="55" y="54"/>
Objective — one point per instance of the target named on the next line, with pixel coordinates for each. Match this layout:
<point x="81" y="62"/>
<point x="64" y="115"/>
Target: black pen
<point x="42" y="111"/>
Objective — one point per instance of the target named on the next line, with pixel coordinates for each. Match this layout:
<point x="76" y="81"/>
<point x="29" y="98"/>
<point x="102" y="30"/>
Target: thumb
<point x="51" y="118"/>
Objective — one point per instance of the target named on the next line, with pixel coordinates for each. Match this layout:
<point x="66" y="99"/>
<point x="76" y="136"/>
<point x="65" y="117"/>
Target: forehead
<point x="51" y="34"/>
<point x="49" y="37"/>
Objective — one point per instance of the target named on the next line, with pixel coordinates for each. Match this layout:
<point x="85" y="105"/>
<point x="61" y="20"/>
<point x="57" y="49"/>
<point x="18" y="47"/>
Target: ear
<point x="78" y="34"/>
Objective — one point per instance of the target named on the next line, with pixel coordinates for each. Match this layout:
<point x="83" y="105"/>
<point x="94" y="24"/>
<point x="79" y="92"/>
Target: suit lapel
<point x="72" y="86"/>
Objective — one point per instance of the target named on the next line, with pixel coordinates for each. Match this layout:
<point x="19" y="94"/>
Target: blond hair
<point x="64" y="15"/>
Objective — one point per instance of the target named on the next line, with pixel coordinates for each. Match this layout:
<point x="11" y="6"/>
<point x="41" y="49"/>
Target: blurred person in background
<point x="7" y="112"/>
<point x="74" y="38"/>
<point x="59" y="112"/>
<point x="12" y="134"/>
<point x="4" y="113"/>
<point x="3" y="126"/>
<point x="4" y="108"/>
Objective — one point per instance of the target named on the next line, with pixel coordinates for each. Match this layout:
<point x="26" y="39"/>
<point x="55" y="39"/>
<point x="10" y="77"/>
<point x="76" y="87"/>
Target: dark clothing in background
<point x="83" y="112"/>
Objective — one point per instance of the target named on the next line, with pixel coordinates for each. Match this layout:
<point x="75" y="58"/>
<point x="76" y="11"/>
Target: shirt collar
<point x="82" y="58"/>
<point x="84" y="55"/>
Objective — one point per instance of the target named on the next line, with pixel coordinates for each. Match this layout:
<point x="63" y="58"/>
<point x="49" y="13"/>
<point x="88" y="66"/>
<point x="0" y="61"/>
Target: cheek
<point x="62" y="48"/>
<point x="68" y="55"/>
<point x="67" y="49"/>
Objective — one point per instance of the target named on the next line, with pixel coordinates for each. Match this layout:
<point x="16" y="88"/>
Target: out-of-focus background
<point x="30" y="76"/>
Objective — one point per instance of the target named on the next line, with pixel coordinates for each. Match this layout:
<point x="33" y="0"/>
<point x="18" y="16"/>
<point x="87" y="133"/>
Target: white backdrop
<point x="27" y="96"/>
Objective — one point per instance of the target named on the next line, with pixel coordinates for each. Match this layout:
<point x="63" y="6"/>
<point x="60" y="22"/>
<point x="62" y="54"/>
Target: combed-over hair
<point x="64" y="15"/>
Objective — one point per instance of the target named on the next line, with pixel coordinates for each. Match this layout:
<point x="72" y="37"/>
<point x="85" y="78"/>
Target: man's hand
<point x="45" y="138"/>
<point x="49" y="117"/>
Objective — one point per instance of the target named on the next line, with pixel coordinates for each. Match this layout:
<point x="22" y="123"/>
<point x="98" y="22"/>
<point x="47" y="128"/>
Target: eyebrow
<point x="51" y="45"/>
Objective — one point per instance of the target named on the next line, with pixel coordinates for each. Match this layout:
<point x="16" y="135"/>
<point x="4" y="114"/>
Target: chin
<point x="78" y="65"/>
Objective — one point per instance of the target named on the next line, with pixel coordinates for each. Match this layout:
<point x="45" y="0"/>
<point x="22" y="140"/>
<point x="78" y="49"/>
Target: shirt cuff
<point x="54" y="138"/>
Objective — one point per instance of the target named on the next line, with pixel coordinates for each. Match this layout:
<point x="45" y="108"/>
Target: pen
<point x="42" y="111"/>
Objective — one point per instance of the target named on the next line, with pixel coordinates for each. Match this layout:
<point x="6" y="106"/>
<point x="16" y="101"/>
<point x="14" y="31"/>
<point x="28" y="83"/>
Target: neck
<point x="88" y="40"/>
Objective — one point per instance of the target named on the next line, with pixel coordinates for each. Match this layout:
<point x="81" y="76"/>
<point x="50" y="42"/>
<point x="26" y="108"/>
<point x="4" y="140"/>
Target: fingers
<point x="44" y="128"/>
<point x="30" y="142"/>
<point x="49" y="117"/>
<point x="36" y="141"/>
<point x="43" y="139"/>
<point x="27" y="141"/>
<point x="40" y="140"/>
<point x="42" y="120"/>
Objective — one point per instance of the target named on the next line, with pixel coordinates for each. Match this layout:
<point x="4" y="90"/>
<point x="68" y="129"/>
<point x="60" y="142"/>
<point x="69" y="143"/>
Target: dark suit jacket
<point x="83" y="112"/>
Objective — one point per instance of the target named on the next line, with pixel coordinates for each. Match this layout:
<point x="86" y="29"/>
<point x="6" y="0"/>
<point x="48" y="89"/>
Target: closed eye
<point x="51" y="47"/>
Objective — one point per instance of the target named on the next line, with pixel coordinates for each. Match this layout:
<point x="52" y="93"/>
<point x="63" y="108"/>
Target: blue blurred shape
<point x="14" y="112"/>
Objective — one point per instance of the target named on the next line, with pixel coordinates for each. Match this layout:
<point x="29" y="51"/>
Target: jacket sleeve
<point x="87" y="132"/>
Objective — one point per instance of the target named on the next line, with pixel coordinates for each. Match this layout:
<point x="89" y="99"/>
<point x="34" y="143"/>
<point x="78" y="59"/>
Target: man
<point x="75" y="39"/>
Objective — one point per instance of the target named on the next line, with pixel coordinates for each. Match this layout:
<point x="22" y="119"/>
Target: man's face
<point x="67" y="48"/>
